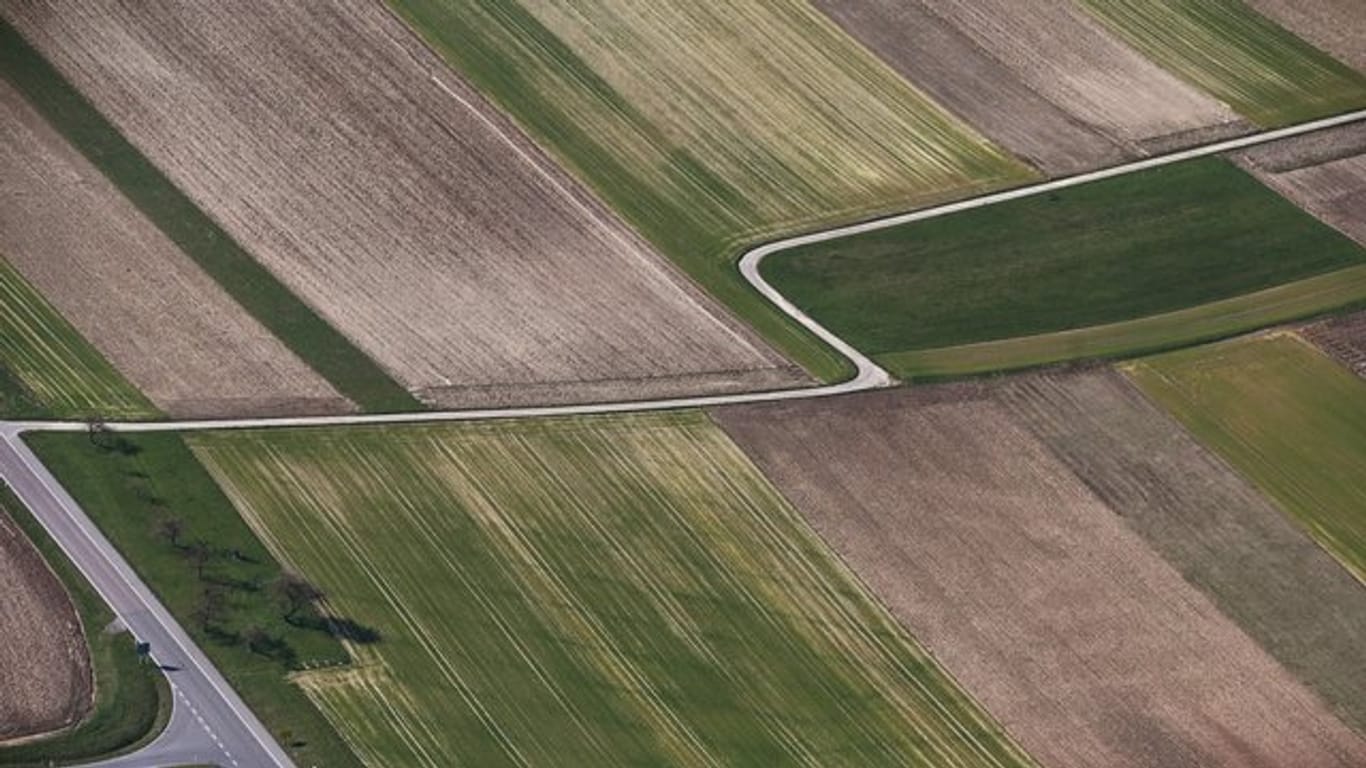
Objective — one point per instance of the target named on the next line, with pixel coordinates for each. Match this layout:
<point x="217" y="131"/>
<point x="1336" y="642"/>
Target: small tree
<point x="198" y="554"/>
<point x="170" y="529"/>
<point x="210" y="607"/>
<point x="294" y="593"/>
<point x="258" y="639"/>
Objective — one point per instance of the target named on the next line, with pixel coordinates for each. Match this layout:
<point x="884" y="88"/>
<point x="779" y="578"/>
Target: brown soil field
<point x="967" y="80"/>
<point x="1080" y="639"/>
<point x="1335" y="26"/>
<point x="1343" y="339"/>
<point x="1062" y="54"/>
<point x="1324" y="173"/>
<point x="45" y="678"/>
<point x="1226" y="539"/>
<point x="153" y="313"/>
<point x="338" y="150"/>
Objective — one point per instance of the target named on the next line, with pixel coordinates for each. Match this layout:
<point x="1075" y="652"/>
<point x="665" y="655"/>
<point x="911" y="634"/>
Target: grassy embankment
<point x="817" y="132"/>
<point x="48" y="370"/>
<point x="1139" y="263"/>
<point x="132" y="700"/>
<point x="130" y="490"/>
<point x="1284" y="415"/>
<point x="1244" y="59"/>
<point x="607" y="591"/>
<point x="251" y="285"/>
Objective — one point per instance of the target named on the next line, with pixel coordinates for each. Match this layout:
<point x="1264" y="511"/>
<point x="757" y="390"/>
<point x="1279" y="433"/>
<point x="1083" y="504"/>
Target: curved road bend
<point x="211" y="724"/>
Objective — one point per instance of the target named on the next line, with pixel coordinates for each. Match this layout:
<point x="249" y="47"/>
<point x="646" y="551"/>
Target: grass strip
<point x="132" y="700"/>
<point x="1287" y="417"/>
<point x="213" y="575"/>
<point x="310" y="337"/>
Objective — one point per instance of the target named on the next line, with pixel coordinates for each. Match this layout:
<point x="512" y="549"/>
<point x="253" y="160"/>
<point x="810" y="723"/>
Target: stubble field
<point x="1289" y="418"/>
<point x="163" y="323"/>
<point x="336" y="149"/>
<point x="604" y="591"/>
<point x="1086" y="645"/>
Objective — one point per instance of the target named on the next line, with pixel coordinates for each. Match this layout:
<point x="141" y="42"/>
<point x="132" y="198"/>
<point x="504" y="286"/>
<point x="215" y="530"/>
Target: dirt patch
<point x="330" y="143"/>
<point x="1336" y="26"/>
<point x="1062" y="621"/>
<point x="1343" y="339"/>
<point x="44" y="664"/>
<point x="155" y="315"/>
<point x="1324" y="173"/>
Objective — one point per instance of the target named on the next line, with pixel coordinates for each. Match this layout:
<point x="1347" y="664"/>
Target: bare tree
<point x="212" y="604"/>
<point x="170" y="529"/>
<point x="198" y="554"/>
<point x="294" y="592"/>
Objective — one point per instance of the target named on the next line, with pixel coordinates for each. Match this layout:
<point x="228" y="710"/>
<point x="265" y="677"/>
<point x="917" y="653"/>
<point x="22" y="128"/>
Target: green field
<point x="129" y="487"/>
<point x="132" y="700"/>
<point x="1241" y="57"/>
<point x="991" y="288"/>
<point x="251" y="285"/>
<point x="608" y="591"/>
<point x="1288" y="418"/>
<point x="47" y="369"/>
<point x="706" y="141"/>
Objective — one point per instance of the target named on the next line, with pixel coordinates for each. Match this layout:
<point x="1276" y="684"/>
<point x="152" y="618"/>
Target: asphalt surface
<point x="210" y="723"/>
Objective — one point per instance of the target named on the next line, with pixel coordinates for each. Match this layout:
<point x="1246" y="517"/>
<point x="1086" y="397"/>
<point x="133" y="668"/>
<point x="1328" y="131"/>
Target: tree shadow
<point x="340" y="628"/>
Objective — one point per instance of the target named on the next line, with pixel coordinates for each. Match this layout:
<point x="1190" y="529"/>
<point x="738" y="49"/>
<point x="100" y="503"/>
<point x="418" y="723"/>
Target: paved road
<point x="209" y="716"/>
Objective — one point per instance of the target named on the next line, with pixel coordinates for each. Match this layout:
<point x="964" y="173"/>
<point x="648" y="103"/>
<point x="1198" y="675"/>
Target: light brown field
<point x="1086" y="645"/>
<point x="1324" y="173"/>
<point x="153" y="313"/>
<point x="45" y="678"/>
<point x="966" y="79"/>
<point x="1057" y="50"/>
<point x="339" y="151"/>
<point x="1343" y="339"/>
<point x="1336" y="26"/>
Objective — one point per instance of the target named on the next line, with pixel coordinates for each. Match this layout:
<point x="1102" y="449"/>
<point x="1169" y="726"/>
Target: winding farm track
<point x="210" y="723"/>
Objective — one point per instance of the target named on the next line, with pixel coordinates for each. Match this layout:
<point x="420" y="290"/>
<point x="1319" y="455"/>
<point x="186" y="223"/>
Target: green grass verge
<point x="1243" y="58"/>
<point x="48" y="369"/>
<point x="1112" y="251"/>
<point x="253" y="287"/>
<point x="128" y="489"/>
<point x="132" y="700"/>
<point x="1284" y="415"/>
<point x="606" y="591"/>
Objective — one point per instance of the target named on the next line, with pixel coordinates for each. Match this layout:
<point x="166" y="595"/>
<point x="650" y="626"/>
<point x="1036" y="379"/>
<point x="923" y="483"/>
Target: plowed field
<point x="1343" y="338"/>
<point x="1324" y="173"/>
<point x="1336" y="26"/>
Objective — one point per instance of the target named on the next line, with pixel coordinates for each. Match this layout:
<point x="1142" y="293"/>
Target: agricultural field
<point x="1113" y="267"/>
<point x="44" y="664"/>
<point x="150" y="311"/>
<point x="1335" y="26"/>
<point x="1239" y="56"/>
<point x="598" y="591"/>
<point x="1042" y="78"/>
<point x="1323" y="172"/>
<point x="1341" y="338"/>
<point x="341" y="153"/>
<point x="1289" y="418"/>
<point x="1227" y="539"/>
<point x="1040" y="599"/>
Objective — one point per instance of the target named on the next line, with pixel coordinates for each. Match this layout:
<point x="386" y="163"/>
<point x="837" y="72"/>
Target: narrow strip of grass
<point x="253" y="286"/>
<point x="132" y="700"/>
<point x="1112" y="251"/>
<point x="1288" y="418"/>
<point x="48" y="369"/>
<point x="131" y="488"/>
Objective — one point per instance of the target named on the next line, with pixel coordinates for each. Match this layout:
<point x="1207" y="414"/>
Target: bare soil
<point x="1335" y="26"/>
<point x="1343" y="339"/>
<point x="343" y="154"/>
<point x="152" y="312"/>
<point x="45" y="679"/>
<point x="1038" y="597"/>
<point x="1324" y="173"/>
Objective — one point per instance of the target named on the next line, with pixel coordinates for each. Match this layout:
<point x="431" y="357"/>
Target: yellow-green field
<point x="1238" y="55"/>
<point x="1287" y="417"/>
<point x="53" y="363"/>
<point x="610" y="591"/>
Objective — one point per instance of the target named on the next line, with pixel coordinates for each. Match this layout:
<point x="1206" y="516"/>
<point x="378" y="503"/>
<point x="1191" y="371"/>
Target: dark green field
<point x="129" y="488"/>
<point x="1106" y="252"/>
<point x="251" y="285"/>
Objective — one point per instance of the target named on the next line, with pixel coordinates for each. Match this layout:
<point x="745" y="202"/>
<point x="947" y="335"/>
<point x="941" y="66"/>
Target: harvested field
<point x="1284" y="415"/>
<point x="44" y="664"/>
<point x="607" y="591"/>
<point x="340" y="152"/>
<point x="1086" y="645"/>
<point x="1324" y="173"/>
<point x="1336" y="26"/>
<point x="1266" y="73"/>
<point x="1057" y="51"/>
<point x="1226" y="539"/>
<point x="163" y="323"/>
<point x="1343" y="339"/>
